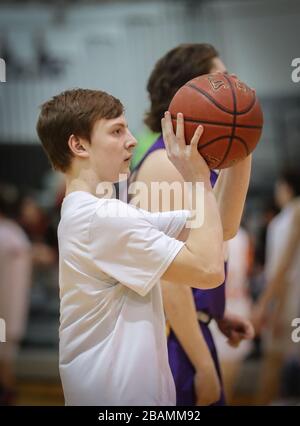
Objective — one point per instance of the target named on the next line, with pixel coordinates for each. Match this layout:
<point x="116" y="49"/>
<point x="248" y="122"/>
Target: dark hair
<point x="172" y="71"/>
<point x="72" y="112"/>
<point x="292" y="178"/>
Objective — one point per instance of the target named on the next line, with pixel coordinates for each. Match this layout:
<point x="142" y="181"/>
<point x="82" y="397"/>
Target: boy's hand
<point x="186" y="158"/>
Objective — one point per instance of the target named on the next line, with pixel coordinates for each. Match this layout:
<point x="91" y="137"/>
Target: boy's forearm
<point x="206" y="240"/>
<point x="231" y="191"/>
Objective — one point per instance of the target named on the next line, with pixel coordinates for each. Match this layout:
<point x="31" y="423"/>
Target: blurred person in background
<point x="37" y="225"/>
<point x="15" y="278"/>
<point x="238" y="302"/>
<point x="40" y="223"/>
<point x="192" y="352"/>
<point x="279" y="303"/>
<point x="257" y="275"/>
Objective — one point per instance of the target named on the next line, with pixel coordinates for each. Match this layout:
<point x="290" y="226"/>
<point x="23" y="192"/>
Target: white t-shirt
<point x="113" y="347"/>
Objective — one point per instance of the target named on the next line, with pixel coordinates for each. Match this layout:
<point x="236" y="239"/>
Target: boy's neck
<point x="88" y="184"/>
<point x="81" y="180"/>
<point x="77" y="185"/>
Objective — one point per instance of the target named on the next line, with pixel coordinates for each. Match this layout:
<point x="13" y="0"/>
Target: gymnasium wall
<point x="114" y="47"/>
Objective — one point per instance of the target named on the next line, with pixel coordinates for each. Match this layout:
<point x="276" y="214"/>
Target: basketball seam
<point x="234" y="112"/>
<point x="209" y="98"/>
<point x="233" y="124"/>
<point x="244" y="126"/>
<point x="243" y="143"/>
<point x="213" y="140"/>
<point x="225" y="137"/>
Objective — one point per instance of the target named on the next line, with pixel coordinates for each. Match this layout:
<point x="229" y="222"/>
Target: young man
<point x="192" y="353"/>
<point x="111" y="255"/>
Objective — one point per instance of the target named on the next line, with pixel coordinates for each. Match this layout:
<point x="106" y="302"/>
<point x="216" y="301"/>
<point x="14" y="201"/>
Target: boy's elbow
<point x="212" y="277"/>
<point x="216" y="278"/>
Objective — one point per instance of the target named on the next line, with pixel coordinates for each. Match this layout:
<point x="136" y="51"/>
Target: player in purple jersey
<point x="192" y="353"/>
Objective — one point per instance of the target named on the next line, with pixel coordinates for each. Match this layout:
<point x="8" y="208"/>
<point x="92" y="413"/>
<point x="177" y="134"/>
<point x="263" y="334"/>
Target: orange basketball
<point x="229" y="112"/>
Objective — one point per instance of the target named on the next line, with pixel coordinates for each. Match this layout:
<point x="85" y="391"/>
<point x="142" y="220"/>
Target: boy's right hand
<point x="186" y="158"/>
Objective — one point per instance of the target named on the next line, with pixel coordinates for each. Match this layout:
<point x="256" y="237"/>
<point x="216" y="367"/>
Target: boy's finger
<point x="196" y="137"/>
<point x="165" y="135"/>
<point x="180" y="131"/>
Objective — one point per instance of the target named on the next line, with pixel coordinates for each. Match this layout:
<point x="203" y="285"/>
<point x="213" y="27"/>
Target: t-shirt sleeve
<point x="132" y="245"/>
<point x="170" y="223"/>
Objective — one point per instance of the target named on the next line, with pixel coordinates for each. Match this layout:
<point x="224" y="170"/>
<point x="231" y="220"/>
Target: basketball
<point x="229" y="112"/>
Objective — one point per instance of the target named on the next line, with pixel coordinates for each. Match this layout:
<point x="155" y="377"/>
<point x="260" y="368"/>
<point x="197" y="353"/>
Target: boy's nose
<point x="131" y="142"/>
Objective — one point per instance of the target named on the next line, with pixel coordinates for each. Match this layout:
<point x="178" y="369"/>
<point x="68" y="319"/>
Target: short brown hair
<point x="172" y="71"/>
<point x="72" y="112"/>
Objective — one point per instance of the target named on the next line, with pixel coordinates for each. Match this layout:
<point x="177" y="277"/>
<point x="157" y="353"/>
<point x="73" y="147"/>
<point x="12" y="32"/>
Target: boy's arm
<point x="199" y="263"/>
<point x="231" y="190"/>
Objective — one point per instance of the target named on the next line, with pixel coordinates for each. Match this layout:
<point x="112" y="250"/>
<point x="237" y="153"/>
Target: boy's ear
<point x="77" y="146"/>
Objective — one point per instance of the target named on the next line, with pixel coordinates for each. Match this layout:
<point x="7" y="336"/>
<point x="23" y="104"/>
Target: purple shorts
<point x="184" y="372"/>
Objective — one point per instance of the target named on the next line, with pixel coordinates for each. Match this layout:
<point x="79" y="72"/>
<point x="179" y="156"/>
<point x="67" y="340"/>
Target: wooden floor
<point x="39" y="393"/>
<point x="46" y="394"/>
<point x="39" y="383"/>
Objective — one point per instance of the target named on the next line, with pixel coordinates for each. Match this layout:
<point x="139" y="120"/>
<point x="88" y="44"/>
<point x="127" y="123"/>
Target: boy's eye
<point x="117" y="131"/>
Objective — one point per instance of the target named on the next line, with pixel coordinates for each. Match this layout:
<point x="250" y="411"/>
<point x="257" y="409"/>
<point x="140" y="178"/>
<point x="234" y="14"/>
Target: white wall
<point x="259" y="40"/>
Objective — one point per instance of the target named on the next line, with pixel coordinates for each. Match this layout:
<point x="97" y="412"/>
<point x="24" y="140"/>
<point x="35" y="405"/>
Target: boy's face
<point x="111" y="147"/>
